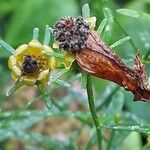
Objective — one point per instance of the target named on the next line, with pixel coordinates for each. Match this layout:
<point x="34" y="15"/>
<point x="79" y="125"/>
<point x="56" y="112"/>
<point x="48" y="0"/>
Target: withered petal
<point x="99" y="60"/>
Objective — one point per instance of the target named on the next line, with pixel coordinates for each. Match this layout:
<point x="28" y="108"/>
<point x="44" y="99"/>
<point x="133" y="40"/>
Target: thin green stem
<point x="93" y="111"/>
<point x="111" y="140"/>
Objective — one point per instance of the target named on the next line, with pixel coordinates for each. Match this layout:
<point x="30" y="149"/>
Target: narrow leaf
<point x="136" y="128"/>
<point x="57" y="76"/>
<point x="101" y="27"/>
<point x="85" y="11"/>
<point x="36" y="34"/>
<point x="45" y="95"/>
<point x="53" y="54"/>
<point x="121" y="41"/>
<point x="108" y="30"/>
<point x="47" y="36"/>
<point x="14" y="88"/>
<point x="62" y="83"/>
<point x="133" y="13"/>
<point x="7" y="47"/>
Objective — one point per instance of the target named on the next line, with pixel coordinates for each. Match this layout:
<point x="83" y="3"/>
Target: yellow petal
<point x="43" y="76"/>
<point x="68" y="59"/>
<point x="47" y="48"/>
<point x="11" y="61"/>
<point x="28" y="81"/>
<point x="55" y="45"/>
<point x="92" y="22"/>
<point x="52" y="62"/>
<point x="35" y="48"/>
<point x="21" y="51"/>
<point x="16" y="71"/>
<point x="14" y="76"/>
<point x="35" y="43"/>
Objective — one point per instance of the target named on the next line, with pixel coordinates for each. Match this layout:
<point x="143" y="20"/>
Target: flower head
<point x="71" y="33"/>
<point x="29" y="65"/>
<point x="96" y="58"/>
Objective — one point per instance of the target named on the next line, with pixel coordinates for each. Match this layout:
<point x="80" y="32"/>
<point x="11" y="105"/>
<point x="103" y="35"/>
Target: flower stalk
<point x="93" y="111"/>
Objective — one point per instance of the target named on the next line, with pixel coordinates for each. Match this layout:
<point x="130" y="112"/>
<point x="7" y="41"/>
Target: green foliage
<point x="123" y="123"/>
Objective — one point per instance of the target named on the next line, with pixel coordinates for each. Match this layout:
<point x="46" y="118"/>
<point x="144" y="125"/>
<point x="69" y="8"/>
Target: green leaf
<point x="57" y="76"/>
<point x="108" y="30"/>
<point x="14" y="88"/>
<point x="53" y="54"/>
<point x="133" y="13"/>
<point x="121" y="41"/>
<point x="106" y="96"/>
<point x="36" y="34"/>
<point x="45" y="95"/>
<point x="116" y="104"/>
<point x="7" y="47"/>
<point x="101" y="27"/>
<point x="85" y="11"/>
<point x="48" y="12"/>
<point x="62" y="83"/>
<point x="136" y="128"/>
<point x="47" y="35"/>
<point x="34" y="137"/>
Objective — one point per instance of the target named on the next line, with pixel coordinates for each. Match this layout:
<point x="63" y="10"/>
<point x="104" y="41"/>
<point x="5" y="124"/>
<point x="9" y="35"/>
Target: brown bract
<point x="99" y="60"/>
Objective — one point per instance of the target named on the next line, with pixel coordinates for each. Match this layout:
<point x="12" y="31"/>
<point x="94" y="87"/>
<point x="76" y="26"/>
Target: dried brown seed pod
<point x="94" y="57"/>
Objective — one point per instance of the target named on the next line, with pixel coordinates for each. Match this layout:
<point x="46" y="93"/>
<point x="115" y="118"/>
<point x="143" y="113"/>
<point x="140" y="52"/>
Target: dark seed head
<point x="30" y="64"/>
<point x="71" y="33"/>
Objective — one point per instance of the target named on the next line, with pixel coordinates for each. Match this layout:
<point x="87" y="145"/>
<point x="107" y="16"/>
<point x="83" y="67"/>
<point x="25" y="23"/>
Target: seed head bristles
<point x="71" y="33"/>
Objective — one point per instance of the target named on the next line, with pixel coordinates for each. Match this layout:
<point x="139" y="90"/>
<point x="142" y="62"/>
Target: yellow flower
<point x="29" y="65"/>
<point x="92" y="22"/>
<point x="69" y="58"/>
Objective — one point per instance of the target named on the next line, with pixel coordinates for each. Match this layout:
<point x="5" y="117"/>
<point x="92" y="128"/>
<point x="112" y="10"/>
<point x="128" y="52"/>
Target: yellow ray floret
<point x="29" y="65"/>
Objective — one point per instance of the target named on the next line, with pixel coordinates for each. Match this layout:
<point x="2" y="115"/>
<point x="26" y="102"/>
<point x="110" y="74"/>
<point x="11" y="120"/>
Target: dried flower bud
<point x="71" y="33"/>
<point x="94" y="57"/>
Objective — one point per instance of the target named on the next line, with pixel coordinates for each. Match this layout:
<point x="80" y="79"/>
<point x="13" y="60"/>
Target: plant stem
<point x="93" y="111"/>
<point x="47" y="100"/>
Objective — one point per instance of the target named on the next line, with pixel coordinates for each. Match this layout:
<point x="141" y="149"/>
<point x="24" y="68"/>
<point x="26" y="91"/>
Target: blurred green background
<point x="17" y="21"/>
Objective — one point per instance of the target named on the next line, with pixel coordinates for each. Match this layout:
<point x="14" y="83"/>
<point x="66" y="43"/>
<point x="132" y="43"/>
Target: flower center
<point x="71" y="33"/>
<point x="30" y="64"/>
